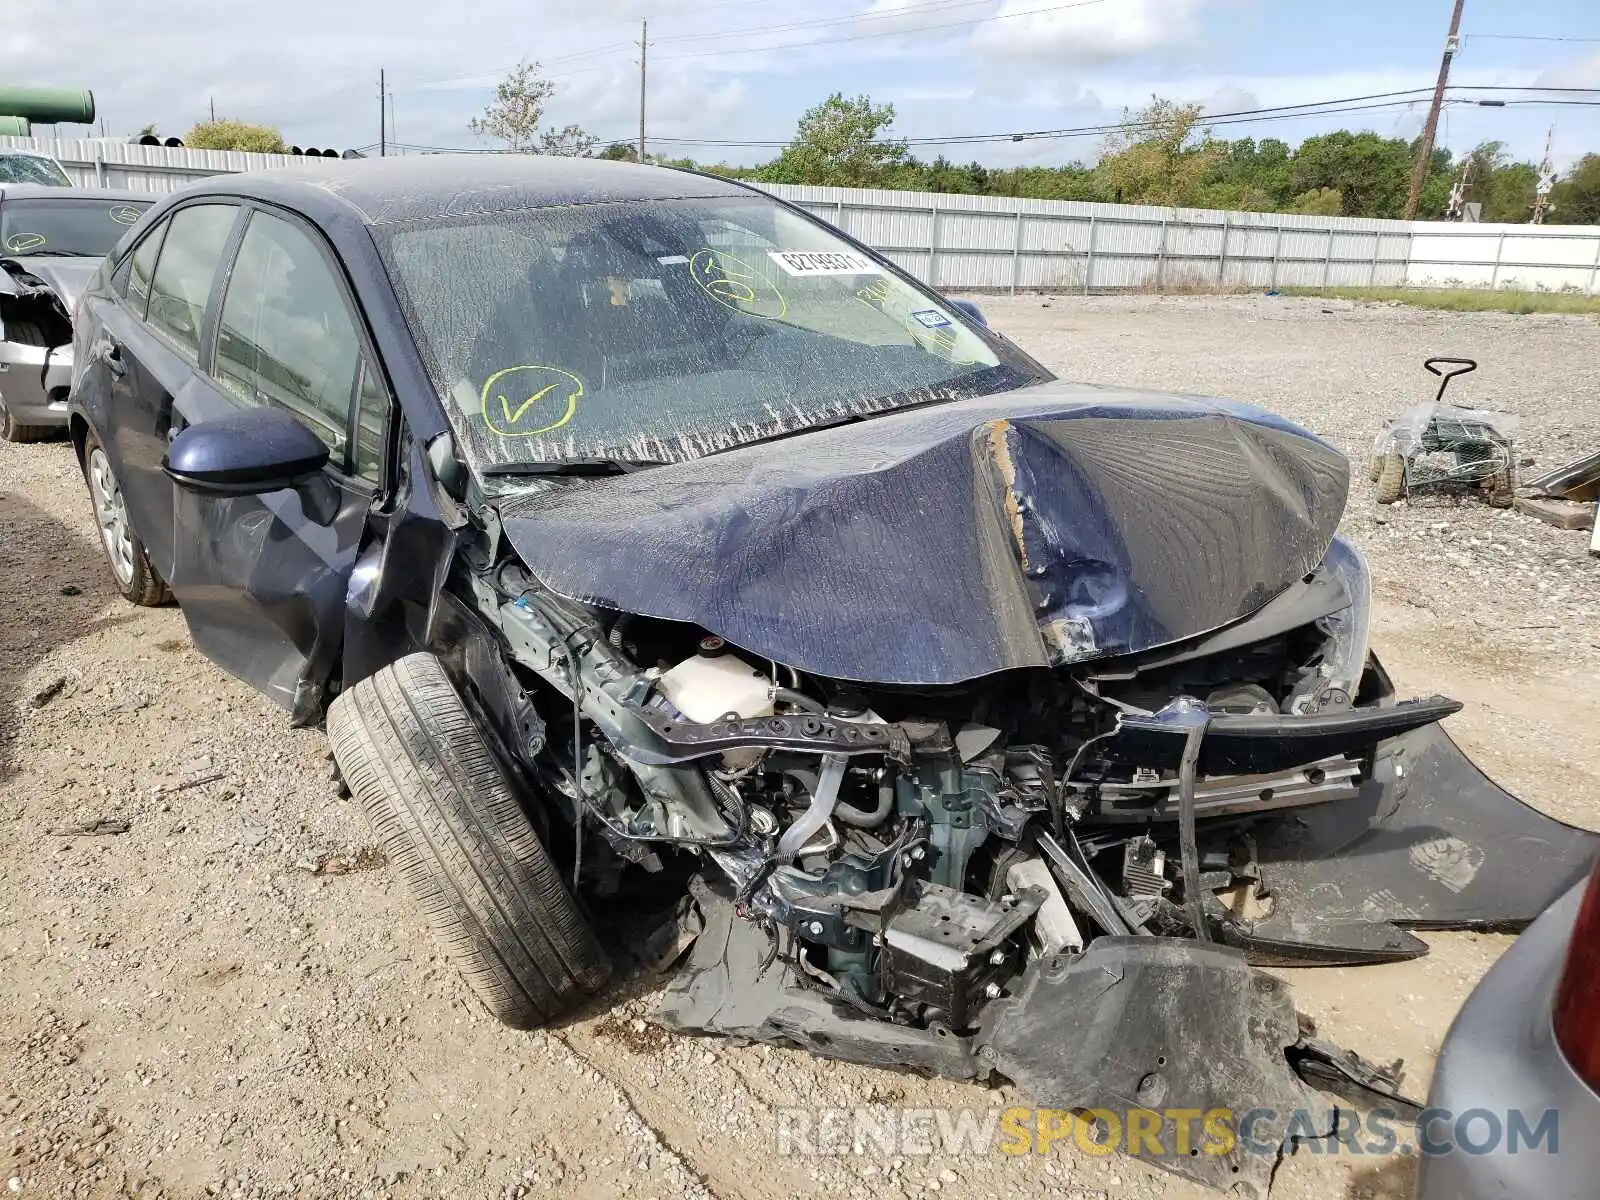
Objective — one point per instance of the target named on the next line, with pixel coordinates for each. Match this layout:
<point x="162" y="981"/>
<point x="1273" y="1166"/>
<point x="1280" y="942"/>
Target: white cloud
<point x="1091" y="34"/>
<point x="1580" y="72"/>
<point x="1230" y="98"/>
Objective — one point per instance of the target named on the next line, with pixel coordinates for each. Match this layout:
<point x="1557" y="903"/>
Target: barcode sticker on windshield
<point x="824" y="262"/>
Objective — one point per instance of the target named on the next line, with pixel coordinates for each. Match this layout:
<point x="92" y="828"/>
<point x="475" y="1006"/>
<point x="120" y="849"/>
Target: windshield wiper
<point x="574" y="466"/>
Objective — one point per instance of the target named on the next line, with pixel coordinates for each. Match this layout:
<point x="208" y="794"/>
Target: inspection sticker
<point x="824" y="262"/>
<point x="930" y="318"/>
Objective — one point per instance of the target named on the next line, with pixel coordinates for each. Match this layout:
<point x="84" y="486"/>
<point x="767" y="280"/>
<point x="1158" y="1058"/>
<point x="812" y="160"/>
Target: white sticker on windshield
<point x="824" y="262"/>
<point x="672" y="260"/>
<point x="930" y="318"/>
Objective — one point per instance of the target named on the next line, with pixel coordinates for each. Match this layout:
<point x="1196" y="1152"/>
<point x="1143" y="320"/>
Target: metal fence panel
<point x="998" y="243"/>
<point x="112" y="162"/>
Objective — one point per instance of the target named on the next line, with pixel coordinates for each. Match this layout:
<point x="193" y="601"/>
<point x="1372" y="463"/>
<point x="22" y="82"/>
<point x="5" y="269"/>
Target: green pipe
<point x="15" y="127"/>
<point x="47" y="106"/>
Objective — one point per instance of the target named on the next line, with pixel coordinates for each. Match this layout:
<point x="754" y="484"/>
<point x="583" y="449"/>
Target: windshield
<point x="74" y="227"/>
<point x="32" y="168"/>
<point x="665" y="330"/>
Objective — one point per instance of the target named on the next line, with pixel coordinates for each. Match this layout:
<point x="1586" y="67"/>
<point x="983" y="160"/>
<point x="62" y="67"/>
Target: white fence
<point x="996" y="243"/>
<point x="961" y="243"/>
<point x="110" y="162"/>
<point x="1552" y="258"/>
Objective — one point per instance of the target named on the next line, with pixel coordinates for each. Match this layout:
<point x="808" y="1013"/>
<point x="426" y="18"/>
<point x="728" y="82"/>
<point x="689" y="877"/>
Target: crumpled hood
<point x="1033" y="528"/>
<point x="66" y="277"/>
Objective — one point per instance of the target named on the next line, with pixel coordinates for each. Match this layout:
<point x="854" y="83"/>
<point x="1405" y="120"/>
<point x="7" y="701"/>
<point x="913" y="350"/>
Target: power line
<point x="1042" y="135"/>
<point x="1525" y="37"/>
<point x="1369" y="102"/>
<point x="1310" y="108"/>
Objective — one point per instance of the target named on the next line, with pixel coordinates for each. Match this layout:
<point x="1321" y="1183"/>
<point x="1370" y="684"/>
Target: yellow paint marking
<point x="513" y="417"/>
<point x="510" y="418"/>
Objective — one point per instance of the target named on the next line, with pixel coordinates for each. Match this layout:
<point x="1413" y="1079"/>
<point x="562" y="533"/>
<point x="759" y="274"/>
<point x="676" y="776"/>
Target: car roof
<point x="44" y="191"/>
<point x="386" y="191"/>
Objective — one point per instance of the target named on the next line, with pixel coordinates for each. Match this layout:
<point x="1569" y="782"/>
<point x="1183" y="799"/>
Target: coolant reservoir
<point x="706" y="687"/>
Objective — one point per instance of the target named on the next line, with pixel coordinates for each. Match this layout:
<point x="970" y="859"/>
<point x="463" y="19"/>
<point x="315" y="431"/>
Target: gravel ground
<point x="234" y="996"/>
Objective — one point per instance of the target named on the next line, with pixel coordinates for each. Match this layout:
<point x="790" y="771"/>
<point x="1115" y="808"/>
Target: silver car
<point x="1513" y="1110"/>
<point x="51" y="242"/>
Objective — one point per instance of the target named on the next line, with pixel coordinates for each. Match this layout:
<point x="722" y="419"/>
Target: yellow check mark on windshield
<point x="525" y="418"/>
<point x="513" y="417"/>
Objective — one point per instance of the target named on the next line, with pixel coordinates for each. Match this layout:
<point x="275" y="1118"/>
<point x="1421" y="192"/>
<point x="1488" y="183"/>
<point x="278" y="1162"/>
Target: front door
<point x="262" y="579"/>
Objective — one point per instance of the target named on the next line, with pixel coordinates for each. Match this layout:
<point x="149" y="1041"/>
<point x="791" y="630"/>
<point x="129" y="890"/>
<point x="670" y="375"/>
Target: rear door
<point x="262" y="579"/>
<point x="147" y="353"/>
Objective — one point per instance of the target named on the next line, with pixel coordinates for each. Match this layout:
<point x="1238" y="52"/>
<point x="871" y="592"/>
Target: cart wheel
<point x="1499" y="488"/>
<point x="1374" y="467"/>
<point x="1391" y="479"/>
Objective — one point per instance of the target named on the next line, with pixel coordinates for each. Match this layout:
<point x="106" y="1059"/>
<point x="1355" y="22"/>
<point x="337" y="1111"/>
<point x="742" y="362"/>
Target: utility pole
<point x="213" y="109"/>
<point x="1547" y="180"/>
<point x="644" y="36"/>
<point x="1419" y="170"/>
<point x="383" y="114"/>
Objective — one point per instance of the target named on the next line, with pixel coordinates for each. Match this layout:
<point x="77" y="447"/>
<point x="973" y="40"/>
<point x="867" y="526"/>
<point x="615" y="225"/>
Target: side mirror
<point x="245" y="454"/>
<point x="973" y="312"/>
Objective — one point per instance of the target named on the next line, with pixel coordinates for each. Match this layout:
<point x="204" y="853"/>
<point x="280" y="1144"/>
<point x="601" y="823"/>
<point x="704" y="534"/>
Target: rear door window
<point x="287" y="335"/>
<point x="141" y="267"/>
<point x="181" y="287"/>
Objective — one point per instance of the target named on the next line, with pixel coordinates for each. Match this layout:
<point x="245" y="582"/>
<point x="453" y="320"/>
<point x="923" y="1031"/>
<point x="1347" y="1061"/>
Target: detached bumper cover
<point x="1430" y="842"/>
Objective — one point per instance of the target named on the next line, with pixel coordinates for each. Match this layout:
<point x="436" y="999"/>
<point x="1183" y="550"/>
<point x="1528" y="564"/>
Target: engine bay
<point x="909" y="852"/>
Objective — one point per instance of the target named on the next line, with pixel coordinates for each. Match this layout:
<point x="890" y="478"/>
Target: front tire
<point x="125" y="553"/>
<point x="447" y="817"/>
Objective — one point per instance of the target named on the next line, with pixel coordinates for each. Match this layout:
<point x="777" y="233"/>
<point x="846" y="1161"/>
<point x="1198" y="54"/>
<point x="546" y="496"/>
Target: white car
<point x="31" y="166"/>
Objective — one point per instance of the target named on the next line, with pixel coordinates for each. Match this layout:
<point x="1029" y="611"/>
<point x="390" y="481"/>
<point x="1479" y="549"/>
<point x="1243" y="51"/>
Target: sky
<point x="950" y="67"/>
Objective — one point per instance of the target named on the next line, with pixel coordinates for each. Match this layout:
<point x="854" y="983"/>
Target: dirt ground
<point x="234" y="996"/>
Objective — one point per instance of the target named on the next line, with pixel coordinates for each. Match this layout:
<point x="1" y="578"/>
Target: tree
<point x="571" y="141"/>
<point x="514" y="115"/>
<point x="1576" y="199"/>
<point x="1152" y="159"/>
<point x="1255" y="172"/>
<point x="148" y="131"/>
<point x="223" y="134"/>
<point x="1318" y="202"/>
<point x="620" y="152"/>
<point x="1370" y="173"/>
<point x="1504" y="188"/>
<point x="840" y="143"/>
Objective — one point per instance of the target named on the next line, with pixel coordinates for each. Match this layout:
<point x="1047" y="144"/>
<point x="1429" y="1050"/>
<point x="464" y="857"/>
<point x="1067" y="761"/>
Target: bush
<point x="235" y="135"/>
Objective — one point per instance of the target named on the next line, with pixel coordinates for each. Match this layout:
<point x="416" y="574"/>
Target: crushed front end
<point x="35" y="348"/>
<point x="982" y="755"/>
<point x="1058" y="877"/>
